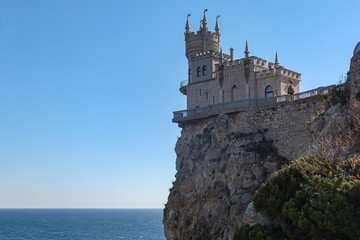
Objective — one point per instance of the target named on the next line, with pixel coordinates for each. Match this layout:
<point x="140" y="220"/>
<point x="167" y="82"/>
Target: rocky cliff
<point x="222" y="160"/>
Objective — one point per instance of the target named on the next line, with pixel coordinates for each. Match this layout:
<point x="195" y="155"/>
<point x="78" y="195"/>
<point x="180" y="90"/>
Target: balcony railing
<point x="247" y="104"/>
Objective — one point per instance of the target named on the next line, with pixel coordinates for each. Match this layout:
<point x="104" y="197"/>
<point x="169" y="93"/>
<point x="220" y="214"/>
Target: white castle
<point x="215" y="77"/>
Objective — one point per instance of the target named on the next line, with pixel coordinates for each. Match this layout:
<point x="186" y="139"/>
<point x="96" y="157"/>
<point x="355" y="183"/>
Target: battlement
<point x="195" y="35"/>
<point x="276" y="71"/>
<point x="210" y="53"/>
<point x="228" y="64"/>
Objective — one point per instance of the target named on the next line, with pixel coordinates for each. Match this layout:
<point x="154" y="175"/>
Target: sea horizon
<point x="81" y="223"/>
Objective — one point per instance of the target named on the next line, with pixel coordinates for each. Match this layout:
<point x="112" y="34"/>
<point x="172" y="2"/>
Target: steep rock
<point x="219" y="169"/>
<point x="222" y="160"/>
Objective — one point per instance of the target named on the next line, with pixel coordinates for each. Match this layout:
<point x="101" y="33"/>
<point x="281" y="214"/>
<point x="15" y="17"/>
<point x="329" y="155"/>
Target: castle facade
<point x="215" y="77"/>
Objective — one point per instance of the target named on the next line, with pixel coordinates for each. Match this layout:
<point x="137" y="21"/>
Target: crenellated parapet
<point x="279" y="71"/>
<point x="206" y="54"/>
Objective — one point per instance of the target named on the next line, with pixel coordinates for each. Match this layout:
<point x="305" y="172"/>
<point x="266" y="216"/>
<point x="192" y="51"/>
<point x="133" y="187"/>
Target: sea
<point x="89" y="224"/>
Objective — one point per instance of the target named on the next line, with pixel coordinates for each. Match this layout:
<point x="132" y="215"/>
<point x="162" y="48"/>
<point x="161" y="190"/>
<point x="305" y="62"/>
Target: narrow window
<point x="221" y="96"/>
<point x="291" y="90"/>
<point x="207" y="95"/>
<point x="200" y="92"/>
<point x="190" y="75"/>
<point x="269" y="91"/>
<point x="233" y="93"/>
<point x="198" y="72"/>
<point x="213" y="99"/>
<point x="204" y="70"/>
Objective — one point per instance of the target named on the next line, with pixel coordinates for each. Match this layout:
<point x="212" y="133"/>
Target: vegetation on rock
<point x="311" y="198"/>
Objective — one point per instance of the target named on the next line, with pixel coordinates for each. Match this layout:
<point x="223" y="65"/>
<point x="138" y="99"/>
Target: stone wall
<point x="222" y="160"/>
<point x="286" y="124"/>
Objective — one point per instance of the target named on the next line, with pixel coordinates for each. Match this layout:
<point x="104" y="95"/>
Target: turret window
<point x="190" y="75"/>
<point x="204" y="70"/>
<point x="198" y="71"/>
<point x="269" y="92"/>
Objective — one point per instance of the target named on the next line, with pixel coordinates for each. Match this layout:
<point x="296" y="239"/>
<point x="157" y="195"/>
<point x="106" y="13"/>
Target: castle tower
<point x="202" y="40"/>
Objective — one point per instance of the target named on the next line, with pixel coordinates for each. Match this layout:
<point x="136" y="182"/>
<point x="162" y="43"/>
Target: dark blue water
<point x="81" y="224"/>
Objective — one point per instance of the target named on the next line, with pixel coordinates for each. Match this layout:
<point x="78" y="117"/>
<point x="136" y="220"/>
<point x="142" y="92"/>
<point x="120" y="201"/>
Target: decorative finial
<point x="204" y="22"/>
<point x="246" y="50"/>
<point x="217" y="29"/>
<point x="187" y="27"/>
<point x="276" y="60"/>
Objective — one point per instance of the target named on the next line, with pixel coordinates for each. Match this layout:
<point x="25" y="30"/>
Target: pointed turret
<point x="187" y="27"/>
<point x="202" y="40"/>
<point x="217" y="29"/>
<point x="204" y="22"/>
<point x="276" y="60"/>
<point x="247" y="50"/>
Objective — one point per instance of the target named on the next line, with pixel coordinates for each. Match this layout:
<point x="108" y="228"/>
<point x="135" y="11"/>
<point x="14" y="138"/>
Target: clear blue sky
<point x="88" y="87"/>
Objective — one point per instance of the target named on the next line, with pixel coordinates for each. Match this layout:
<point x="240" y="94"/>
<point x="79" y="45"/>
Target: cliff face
<point x="221" y="161"/>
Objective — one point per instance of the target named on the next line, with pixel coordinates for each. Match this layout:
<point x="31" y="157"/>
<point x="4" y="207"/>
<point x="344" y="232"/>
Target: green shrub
<point x="311" y="198"/>
<point x="258" y="232"/>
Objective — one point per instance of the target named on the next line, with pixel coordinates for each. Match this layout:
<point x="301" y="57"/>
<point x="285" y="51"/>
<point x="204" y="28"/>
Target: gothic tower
<point x="202" y="40"/>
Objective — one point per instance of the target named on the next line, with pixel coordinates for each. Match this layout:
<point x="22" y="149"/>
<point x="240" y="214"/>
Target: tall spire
<point x="217" y="29"/>
<point x="187" y="27"/>
<point x="246" y="50"/>
<point x="204" y="22"/>
<point x="276" y="60"/>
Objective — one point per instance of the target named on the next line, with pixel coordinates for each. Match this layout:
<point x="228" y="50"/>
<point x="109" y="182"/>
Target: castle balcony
<point x="247" y="105"/>
<point x="183" y="86"/>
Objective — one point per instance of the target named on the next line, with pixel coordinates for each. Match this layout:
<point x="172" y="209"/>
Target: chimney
<point x="232" y="54"/>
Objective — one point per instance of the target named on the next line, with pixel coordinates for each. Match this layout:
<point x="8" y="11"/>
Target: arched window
<point x="269" y="92"/>
<point x="198" y="71"/>
<point x="204" y="70"/>
<point x="234" y="93"/>
<point x="190" y="75"/>
<point x="291" y="90"/>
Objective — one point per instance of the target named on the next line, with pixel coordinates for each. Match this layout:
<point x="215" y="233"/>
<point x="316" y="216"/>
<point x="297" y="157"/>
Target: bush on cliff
<point x="311" y="198"/>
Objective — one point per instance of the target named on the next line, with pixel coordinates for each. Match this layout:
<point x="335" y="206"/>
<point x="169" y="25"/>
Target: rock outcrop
<point x="222" y="160"/>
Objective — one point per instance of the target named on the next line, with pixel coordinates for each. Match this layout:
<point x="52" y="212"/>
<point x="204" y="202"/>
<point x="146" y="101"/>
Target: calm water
<point x="81" y="224"/>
